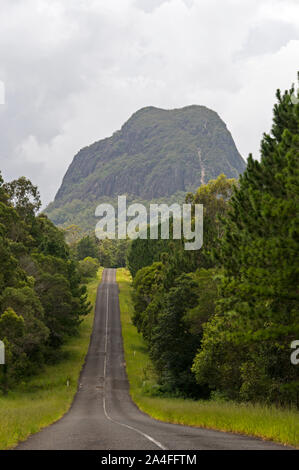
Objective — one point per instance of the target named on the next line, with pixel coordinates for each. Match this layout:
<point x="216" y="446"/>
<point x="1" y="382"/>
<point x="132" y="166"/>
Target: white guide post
<point x="2" y="353"/>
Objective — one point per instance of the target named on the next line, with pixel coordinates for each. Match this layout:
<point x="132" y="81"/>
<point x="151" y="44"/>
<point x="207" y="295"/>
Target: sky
<point x="73" y="72"/>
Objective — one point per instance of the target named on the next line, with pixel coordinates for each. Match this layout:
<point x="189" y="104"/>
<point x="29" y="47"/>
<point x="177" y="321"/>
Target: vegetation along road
<point x="103" y="415"/>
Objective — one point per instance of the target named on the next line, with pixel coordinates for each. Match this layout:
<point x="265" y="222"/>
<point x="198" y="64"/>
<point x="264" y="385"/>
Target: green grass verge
<point x="266" y="422"/>
<point x="45" y="398"/>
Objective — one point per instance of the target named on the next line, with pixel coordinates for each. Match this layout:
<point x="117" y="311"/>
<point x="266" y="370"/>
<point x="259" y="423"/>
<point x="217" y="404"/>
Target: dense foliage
<point x="109" y="253"/>
<point x="41" y="296"/>
<point x="246" y="346"/>
<point x="174" y="295"/>
<point x="220" y="320"/>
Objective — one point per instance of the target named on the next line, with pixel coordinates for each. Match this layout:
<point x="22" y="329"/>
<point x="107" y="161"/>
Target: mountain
<point x="158" y="154"/>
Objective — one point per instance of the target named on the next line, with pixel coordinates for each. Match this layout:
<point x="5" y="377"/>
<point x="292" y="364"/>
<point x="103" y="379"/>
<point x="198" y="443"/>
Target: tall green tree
<point x="172" y="347"/>
<point x="86" y="246"/>
<point x="246" y="346"/>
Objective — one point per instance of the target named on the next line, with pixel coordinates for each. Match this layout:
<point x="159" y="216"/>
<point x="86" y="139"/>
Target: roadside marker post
<point x="2" y="353"/>
<point x="2" y="362"/>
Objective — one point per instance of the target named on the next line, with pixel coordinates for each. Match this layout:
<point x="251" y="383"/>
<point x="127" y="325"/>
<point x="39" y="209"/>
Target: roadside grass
<point x="45" y="398"/>
<point x="266" y="422"/>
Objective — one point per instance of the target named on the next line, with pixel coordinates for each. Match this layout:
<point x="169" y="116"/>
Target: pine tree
<point x="258" y="313"/>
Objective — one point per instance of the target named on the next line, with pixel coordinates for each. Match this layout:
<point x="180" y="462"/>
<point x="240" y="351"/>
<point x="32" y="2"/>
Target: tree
<point x="246" y="345"/>
<point x="41" y="291"/>
<point x="24" y="196"/>
<point x="172" y="347"/>
<point x="86" y="247"/>
<point x="147" y="285"/>
<point x="12" y="333"/>
<point x="27" y="305"/>
<point x="175" y="292"/>
<point x="214" y="196"/>
<point x="61" y="314"/>
<point x="72" y="234"/>
<point x="207" y="281"/>
<point x="88" y="267"/>
<point x="3" y="194"/>
<point x="49" y="239"/>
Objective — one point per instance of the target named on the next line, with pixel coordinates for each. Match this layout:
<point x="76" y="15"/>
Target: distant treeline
<point x="108" y="253"/>
<point x="219" y="321"/>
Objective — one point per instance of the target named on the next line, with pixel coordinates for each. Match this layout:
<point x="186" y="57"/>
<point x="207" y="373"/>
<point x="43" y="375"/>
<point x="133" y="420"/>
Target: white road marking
<point x="157" y="443"/>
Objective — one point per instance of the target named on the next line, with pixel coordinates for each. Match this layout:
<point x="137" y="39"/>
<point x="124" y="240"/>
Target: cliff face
<point x="157" y="154"/>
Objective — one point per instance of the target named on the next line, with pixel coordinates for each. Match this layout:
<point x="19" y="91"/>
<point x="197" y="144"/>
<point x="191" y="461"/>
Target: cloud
<point x="75" y="71"/>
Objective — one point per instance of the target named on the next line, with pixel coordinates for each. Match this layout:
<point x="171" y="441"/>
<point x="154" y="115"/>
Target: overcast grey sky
<point x="75" y="70"/>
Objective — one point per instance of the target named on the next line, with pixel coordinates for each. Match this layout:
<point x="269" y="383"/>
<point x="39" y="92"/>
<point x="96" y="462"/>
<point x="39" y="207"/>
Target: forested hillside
<point x="42" y="299"/>
<point x="219" y="322"/>
<point x="157" y="154"/>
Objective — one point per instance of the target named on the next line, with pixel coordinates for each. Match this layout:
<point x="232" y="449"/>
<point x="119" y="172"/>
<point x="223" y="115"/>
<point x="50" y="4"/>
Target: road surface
<point x="103" y="415"/>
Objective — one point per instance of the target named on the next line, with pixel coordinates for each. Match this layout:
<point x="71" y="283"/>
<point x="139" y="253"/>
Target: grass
<point x="266" y="422"/>
<point x="45" y="398"/>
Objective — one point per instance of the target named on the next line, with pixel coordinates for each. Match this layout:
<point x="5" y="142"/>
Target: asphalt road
<point x="103" y="415"/>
